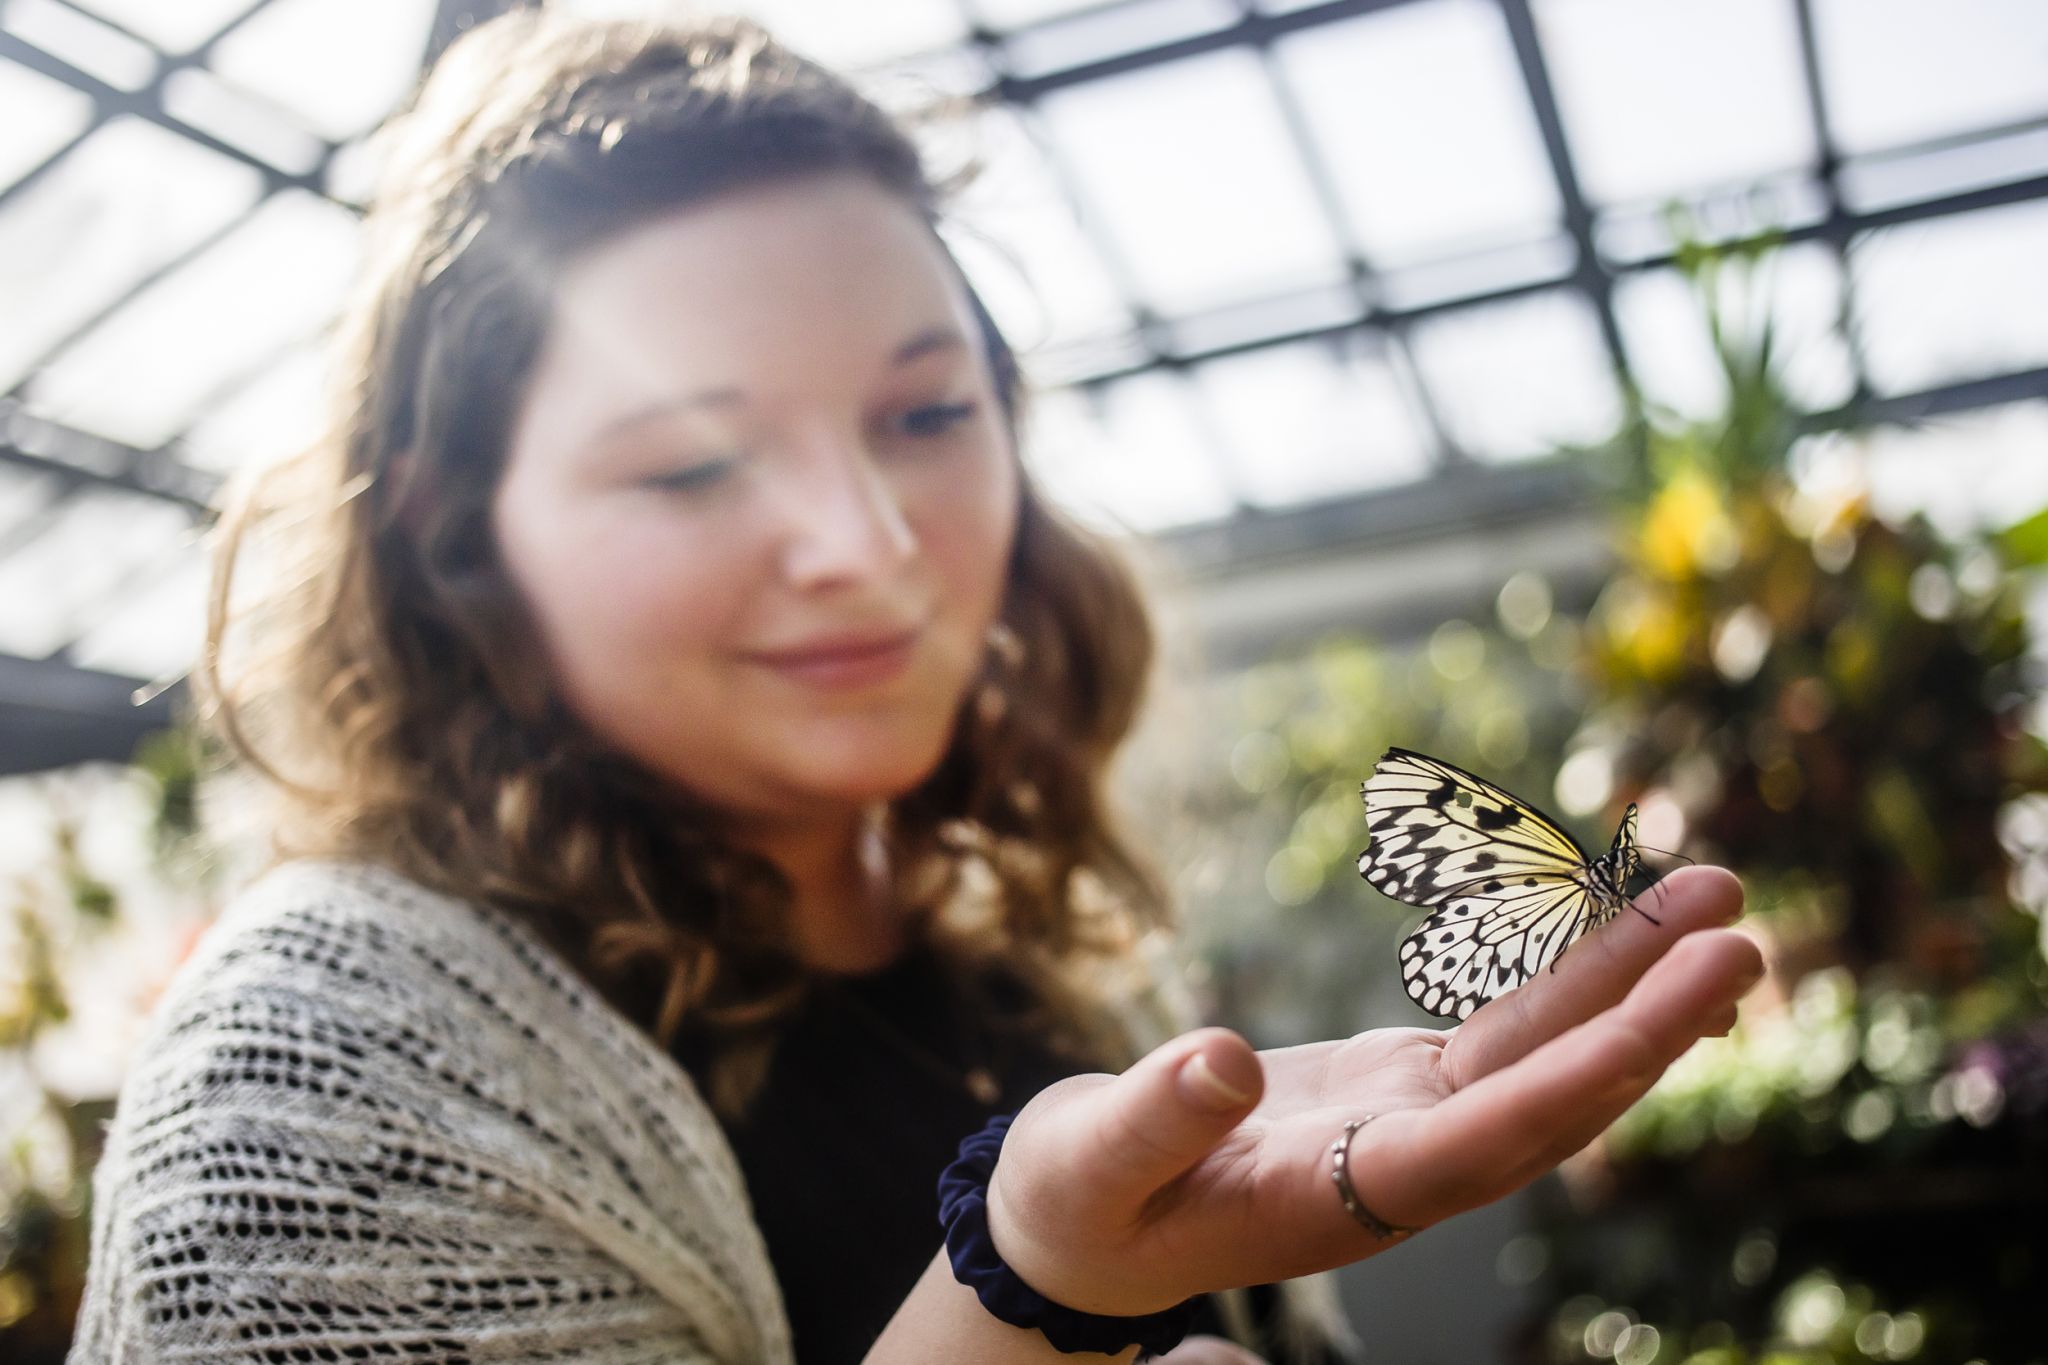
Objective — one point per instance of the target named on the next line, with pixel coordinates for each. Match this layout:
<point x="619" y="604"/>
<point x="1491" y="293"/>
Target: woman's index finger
<point x="1594" y="974"/>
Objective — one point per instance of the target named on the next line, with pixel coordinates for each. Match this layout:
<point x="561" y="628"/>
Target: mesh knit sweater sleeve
<point x="371" y="1123"/>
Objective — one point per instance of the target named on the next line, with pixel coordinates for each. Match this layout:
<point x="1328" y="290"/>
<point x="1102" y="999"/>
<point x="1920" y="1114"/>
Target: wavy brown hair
<point x="367" y="652"/>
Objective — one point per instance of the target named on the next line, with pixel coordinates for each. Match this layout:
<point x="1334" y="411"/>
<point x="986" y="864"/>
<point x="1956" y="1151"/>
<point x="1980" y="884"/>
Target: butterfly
<point x="1507" y="887"/>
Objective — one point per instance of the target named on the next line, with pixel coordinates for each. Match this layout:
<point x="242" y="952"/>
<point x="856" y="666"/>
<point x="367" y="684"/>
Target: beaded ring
<point x="1340" y="1176"/>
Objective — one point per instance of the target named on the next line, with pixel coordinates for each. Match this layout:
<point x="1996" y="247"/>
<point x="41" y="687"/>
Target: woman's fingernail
<point x="1201" y="1084"/>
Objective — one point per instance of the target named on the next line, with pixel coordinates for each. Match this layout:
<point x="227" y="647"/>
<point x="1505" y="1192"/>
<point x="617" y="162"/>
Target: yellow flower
<point x="1687" y="531"/>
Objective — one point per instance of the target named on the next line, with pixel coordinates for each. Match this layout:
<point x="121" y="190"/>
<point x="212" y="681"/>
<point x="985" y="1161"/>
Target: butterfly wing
<point x="1438" y="831"/>
<point x="1627" y="854"/>
<point x="1479" y="945"/>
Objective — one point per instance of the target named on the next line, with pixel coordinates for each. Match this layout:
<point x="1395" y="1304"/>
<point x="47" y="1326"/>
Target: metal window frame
<point x="48" y="707"/>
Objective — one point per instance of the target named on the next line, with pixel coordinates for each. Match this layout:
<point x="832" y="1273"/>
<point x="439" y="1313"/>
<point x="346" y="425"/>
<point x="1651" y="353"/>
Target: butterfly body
<point x="1507" y="887"/>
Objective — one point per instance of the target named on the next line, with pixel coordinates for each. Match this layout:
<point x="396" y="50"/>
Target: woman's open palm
<point x="1207" y="1165"/>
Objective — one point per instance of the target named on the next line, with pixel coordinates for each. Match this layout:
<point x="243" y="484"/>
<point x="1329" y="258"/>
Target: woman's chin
<point x="867" y="785"/>
<point x="865" y="773"/>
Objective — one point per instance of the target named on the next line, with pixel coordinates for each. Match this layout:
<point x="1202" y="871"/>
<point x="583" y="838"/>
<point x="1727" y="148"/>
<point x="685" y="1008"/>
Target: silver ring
<point x="1340" y="1176"/>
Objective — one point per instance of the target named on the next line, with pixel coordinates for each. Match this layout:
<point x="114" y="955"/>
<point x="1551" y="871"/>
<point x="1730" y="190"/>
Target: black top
<point x="866" y="1101"/>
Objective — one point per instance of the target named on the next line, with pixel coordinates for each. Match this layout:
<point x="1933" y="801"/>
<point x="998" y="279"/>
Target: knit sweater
<point x="367" y="1122"/>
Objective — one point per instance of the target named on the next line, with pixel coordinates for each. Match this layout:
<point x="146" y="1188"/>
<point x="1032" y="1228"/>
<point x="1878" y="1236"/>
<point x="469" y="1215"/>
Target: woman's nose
<point x="845" y="520"/>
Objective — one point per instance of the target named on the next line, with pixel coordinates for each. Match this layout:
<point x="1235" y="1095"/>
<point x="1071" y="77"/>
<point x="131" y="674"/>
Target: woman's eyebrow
<point x="940" y="338"/>
<point x="929" y="341"/>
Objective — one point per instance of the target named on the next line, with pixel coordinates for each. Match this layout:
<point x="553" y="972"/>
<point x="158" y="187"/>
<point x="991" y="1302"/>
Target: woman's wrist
<point x="1085" y="1322"/>
<point x="1056" y="1275"/>
<point x="942" y="1319"/>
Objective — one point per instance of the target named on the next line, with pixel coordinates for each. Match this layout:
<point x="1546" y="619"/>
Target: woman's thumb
<point x="1088" y="1154"/>
<point x="1171" y="1109"/>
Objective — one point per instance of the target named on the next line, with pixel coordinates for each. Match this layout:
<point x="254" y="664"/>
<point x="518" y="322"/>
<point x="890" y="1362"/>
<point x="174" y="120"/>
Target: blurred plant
<point x="1833" y="702"/>
<point x="67" y="906"/>
<point x="1836" y="707"/>
<point x="1877" y="1067"/>
<point x="1837" y="1180"/>
<point x="1815" y="1320"/>
<point x="41" y="1180"/>
<point x="1284" y="828"/>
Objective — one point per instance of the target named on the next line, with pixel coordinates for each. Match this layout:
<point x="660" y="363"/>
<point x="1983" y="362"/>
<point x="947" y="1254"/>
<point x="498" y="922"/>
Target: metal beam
<point x="147" y="103"/>
<point x="55" y="714"/>
<point x="79" y="458"/>
<point x="1591" y="275"/>
<point x="1481" y="498"/>
<point x="2016" y="192"/>
<point x="114" y="101"/>
<point x="1251" y="28"/>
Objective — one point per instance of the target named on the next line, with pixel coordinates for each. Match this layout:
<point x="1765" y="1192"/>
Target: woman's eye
<point x="692" y="478"/>
<point x="937" y="419"/>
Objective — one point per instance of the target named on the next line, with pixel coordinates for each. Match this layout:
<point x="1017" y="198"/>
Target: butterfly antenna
<point x="1634" y="901"/>
<point x="1665" y="852"/>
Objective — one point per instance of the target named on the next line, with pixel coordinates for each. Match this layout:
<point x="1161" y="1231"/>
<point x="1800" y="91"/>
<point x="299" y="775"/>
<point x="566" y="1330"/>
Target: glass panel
<point x="152" y="367"/>
<point x="85" y="550"/>
<point x="1900" y="71"/>
<point x="1113" y="30"/>
<point x="1007" y="14"/>
<point x="40" y="115"/>
<point x="99" y="50"/>
<point x="176" y="27"/>
<point x="1021" y="245"/>
<point x="120" y="204"/>
<point x="1635" y="233"/>
<point x="1137" y="459"/>
<point x="352" y="170"/>
<point x="23" y="494"/>
<point x="1663" y="98"/>
<point x="1952" y="298"/>
<point x="1302" y="422"/>
<point x="277" y="414"/>
<point x="1264" y="320"/>
<point x="201" y="99"/>
<point x="1191" y="173"/>
<point x="1111" y="353"/>
<point x="845" y="36"/>
<point x="156" y="630"/>
<point x="1967" y="472"/>
<point x="1517" y="379"/>
<point x="911" y="85"/>
<point x="1884" y="182"/>
<point x="1464" y="277"/>
<point x="1424" y="121"/>
<point x="340" y="65"/>
<point x="1664" y="328"/>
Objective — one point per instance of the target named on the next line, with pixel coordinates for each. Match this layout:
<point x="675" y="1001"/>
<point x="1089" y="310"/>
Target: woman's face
<point x="760" y="498"/>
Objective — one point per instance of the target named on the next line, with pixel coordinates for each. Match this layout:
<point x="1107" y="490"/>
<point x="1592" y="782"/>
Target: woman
<point x="689" y="725"/>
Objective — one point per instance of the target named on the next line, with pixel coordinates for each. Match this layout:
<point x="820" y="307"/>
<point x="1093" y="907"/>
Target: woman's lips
<point x="840" y="663"/>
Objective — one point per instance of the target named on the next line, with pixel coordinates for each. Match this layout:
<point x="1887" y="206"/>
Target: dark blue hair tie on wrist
<point x="963" y="1212"/>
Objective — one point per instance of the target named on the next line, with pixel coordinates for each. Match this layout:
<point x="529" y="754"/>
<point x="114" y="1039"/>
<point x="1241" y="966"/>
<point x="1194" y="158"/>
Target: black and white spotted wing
<point x="1508" y="888"/>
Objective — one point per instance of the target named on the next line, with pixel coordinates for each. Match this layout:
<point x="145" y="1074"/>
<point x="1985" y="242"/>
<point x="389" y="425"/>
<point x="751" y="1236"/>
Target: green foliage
<point x="1283" y="931"/>
<point x="1834" y="706"/>
<point x="1815" y="1320"/>
<point x="59" y="910"/>
<point x="2025" y="542"/>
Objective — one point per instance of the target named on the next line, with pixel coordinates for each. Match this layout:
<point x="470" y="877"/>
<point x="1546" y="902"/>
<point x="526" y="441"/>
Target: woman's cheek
<point x="639" y="599"/>
<point x="970" y="524"/>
